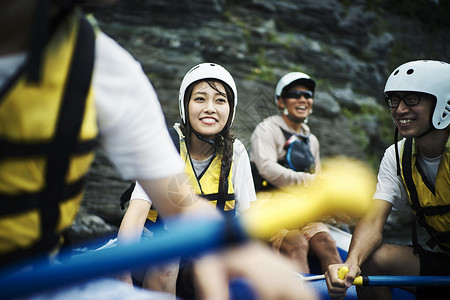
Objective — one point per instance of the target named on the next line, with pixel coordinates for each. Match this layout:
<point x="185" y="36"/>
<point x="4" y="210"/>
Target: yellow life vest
<point x="207" y="183"/>
<point x="47" y="137"/>
<point x="431" y="204"/>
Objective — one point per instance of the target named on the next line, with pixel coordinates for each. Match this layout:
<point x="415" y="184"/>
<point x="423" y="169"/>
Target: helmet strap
<point x="292" y="118"/>
<point x="295" y="120"/>
<point x="204" y="139"/>
<point x="397" y="156"/>
<point x="430" y="129"/>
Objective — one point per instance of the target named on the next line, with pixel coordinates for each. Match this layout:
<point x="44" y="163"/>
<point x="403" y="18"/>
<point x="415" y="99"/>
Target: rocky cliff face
<point x="348" y="47"/>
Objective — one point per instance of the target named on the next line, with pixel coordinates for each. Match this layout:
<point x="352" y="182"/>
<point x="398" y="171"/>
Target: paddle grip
<point x="360" y="280"/>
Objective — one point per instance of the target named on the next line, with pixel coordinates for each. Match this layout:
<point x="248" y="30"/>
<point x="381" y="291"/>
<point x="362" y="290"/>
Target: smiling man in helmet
<point x="416" y="170"/>
<point x="285" y="152"/>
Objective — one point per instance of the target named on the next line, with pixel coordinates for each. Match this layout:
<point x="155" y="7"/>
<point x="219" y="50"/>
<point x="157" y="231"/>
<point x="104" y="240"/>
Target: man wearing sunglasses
<point x="414" y="170"/>
<point x="284" y="152"/>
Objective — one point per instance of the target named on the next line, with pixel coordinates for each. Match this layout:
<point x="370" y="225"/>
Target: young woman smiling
<point x="216" y="163"/>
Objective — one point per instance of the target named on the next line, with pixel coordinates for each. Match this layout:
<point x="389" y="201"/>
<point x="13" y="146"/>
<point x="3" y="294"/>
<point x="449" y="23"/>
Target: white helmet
<point x="289" y="78"/>
<point x="206" y="71"/>
<point x="425" y="76"/>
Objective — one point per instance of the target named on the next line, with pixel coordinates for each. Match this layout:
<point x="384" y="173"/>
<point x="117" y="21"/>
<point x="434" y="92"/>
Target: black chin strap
<point x="296" y="120"/>
<point x="426" y="132"/>
<point x="397" y="157"/>
<point x="430" y="129"/>
<point x="203" y="139"/>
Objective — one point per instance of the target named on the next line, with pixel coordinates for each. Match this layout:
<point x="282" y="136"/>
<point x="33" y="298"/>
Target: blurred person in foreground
<point x="63" y="87"/>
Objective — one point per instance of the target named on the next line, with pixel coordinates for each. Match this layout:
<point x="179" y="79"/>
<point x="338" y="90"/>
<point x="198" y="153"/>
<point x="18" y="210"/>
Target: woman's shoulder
<point x="239" y="149"/>
<point x="237" y="144"/>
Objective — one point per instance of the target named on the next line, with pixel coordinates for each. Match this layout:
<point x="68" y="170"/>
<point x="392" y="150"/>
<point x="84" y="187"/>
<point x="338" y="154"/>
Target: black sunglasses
<point x="412" y="99"/>
<point x="298" y="94"/>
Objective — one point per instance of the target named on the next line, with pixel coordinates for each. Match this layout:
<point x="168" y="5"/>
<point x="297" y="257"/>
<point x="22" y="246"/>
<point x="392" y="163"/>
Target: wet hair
<point x="224" y="139"/>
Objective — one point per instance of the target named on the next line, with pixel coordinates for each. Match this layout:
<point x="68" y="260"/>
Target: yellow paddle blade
<point x="345" y="186"/>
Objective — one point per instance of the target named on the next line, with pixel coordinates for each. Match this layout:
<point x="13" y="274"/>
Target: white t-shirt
<point x="390" y="186"/>
<point x="242" y="179"/>
<point x="132" y="128"/>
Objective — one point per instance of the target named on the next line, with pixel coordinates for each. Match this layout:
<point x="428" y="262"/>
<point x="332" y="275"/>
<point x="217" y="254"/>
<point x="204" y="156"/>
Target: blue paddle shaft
<point x="406" y="280"/>
<point x="184" y="239"/>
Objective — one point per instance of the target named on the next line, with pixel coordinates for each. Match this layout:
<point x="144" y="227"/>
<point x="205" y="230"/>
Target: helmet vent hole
<point x="446" y="111"/>
<point x="410" y="71"/>
<point x="396" y="72"/>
